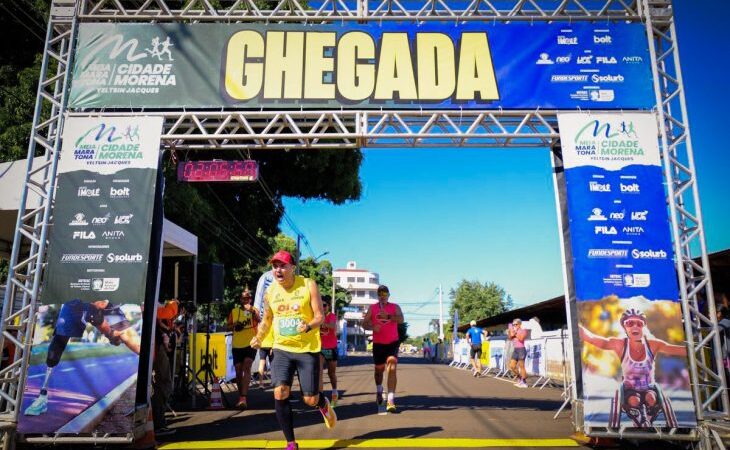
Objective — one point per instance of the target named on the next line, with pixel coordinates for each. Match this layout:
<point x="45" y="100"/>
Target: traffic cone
<point x="216" y="399"/>
<point x="147" y="439"/>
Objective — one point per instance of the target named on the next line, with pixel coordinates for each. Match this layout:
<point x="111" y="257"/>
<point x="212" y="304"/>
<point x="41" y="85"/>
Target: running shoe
<point x="391" y="407"/>
<point x="474" y="374"/>
<point x="379" y="398"/>
<point x="521" y="384"/>
<point x="242" y="404"/>
<point x="329" y="414"/>
<point x="38" y="407"/>
<point x="292" y="446"/>
<point x="335" y="397"/>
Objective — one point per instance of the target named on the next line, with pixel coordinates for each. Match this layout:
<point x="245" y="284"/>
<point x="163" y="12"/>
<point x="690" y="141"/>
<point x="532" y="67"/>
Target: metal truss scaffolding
<point x="237" y="129"/>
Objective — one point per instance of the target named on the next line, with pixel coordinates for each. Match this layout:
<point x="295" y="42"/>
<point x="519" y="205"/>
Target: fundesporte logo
<point x="600" y="139"/>
<point x="106" y="141"/>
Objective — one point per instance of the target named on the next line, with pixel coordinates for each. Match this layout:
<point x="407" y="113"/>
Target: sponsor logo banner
<point x="387" y="65"/>
<point x="624" y="276"/>
<point x="95" y="280"/>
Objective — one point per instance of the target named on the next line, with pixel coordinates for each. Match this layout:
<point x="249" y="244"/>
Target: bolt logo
<point x="119" y="192"/>
<point x="107" y="142"/>
<point x="598" y="139"/>
<point x="632" y="188"/>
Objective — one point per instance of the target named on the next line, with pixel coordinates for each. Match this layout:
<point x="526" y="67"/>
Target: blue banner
<point x="389" y="65"/>
<point x="629" y="319"/>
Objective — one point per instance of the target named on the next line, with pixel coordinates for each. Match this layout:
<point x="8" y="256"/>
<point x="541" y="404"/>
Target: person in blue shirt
<point x="474" y="337"/>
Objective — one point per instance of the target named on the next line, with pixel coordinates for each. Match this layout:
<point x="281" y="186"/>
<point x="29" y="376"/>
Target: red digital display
<point x="217" y="171"/>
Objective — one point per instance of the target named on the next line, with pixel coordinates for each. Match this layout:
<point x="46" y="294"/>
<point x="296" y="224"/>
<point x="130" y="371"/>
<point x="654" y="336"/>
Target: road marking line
<point x="374" y="443"/>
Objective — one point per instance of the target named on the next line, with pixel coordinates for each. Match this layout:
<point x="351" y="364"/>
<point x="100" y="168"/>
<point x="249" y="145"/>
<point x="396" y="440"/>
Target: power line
<point x="255" y="240"/>
<point x="22" y="23"/>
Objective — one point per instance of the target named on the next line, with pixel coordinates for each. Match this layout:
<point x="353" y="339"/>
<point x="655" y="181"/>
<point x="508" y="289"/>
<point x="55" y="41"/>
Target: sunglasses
<point x="634" y="323"/>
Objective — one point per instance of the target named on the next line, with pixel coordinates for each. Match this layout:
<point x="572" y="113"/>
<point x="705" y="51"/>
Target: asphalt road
<point x="438" y="407"/>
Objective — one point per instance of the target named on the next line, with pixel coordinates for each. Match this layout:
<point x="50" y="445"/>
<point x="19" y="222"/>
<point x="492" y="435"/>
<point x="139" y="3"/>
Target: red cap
<point x="282" y="256"/>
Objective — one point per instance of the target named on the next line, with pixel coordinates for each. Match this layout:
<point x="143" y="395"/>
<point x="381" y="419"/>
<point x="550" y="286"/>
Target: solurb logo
<point x="84" y="235"/>
<point x="632" y="188"/>
<point x="639" y="215"/>
<point x="124" y="258"/>
<point x="595" y="186"/>
<point x="648" y="254"/>
<point x="119" y="192"/>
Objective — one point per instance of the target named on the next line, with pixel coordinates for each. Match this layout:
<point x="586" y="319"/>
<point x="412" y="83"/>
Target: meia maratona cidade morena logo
<point x="106" y="142"/>
<point x="608" y="141"/>
<point x="116" y="65"/>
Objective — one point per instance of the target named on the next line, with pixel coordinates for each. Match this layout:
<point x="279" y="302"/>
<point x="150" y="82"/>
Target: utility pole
<point x="441" y="314"/>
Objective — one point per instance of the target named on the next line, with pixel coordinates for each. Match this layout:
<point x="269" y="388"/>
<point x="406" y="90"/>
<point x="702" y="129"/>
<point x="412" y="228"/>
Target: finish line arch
<point x="270" y="128"/>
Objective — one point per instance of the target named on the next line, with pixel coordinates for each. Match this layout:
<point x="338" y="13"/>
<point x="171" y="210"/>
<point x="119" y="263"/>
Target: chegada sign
<point x="392" y="65"/>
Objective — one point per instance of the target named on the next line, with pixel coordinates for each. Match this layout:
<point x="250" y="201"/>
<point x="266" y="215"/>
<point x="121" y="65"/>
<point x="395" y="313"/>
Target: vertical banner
<point x="83" y="367"/>
<point x="629" y="319"/>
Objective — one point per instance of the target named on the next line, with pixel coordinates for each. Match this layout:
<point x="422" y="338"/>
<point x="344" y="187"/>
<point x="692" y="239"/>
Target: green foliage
<point x="476" y="300"/>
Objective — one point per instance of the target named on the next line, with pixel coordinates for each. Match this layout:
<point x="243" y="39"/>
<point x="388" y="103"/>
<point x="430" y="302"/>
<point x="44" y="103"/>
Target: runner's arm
<point x="264" y="326"/>
<point x="601" y="342"/>
<point x="367" y="321"/>
<point x="659" y="346"/>
<point x="398" y="315"/>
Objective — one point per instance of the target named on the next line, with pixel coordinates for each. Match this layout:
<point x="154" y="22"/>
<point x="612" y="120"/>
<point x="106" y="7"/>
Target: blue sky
<point x="436" y="216"/>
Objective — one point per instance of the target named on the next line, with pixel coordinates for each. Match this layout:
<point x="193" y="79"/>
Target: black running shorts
<point x="381" y="352"/>
<point x="286" y="363"/>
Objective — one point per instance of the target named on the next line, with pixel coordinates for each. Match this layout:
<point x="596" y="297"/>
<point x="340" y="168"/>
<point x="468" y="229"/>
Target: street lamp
<point x="323" y="254"/>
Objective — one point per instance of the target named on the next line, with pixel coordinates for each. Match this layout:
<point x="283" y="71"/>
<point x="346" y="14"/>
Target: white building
<point x="363" y="286"/>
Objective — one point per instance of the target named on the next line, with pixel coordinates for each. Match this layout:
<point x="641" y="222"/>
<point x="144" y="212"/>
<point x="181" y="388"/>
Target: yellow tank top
<point x="242" y="339"/>
<point x="290" y="307"/>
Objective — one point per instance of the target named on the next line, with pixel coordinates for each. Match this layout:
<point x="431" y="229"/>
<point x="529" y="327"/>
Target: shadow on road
<point x="431" y="403"/>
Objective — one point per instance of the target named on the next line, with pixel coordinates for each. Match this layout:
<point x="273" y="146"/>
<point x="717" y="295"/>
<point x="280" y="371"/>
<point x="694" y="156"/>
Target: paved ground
<point x="439" y="407"/>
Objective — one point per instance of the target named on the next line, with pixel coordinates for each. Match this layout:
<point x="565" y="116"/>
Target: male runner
<point x="474" y="337"/>
<point x="328" y="334"/>
<point x="243" y="320"/>
<point x="293" y="306"/>
<point x="72" y="320"/>
<point x="383" y="318"/>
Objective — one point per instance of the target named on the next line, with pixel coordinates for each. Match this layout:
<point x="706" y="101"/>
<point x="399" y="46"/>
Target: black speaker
<point x="210" y="282"/>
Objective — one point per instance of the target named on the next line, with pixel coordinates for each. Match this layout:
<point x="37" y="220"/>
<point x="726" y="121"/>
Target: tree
<point x="475" y="301"/>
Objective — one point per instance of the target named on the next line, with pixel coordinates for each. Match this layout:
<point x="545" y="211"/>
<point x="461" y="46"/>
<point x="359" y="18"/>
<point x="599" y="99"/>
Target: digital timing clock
<point x="217" y="171"/>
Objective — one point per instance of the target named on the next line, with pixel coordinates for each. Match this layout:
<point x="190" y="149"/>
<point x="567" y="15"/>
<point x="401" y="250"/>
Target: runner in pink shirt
<point x="328" y="355"/>
<point x="383" y="318"/>
<point x="517" y="335"/>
